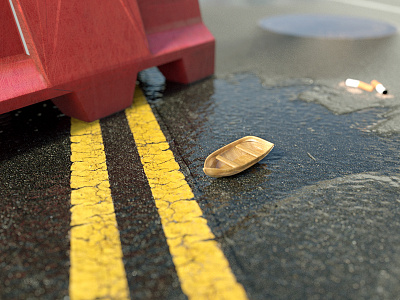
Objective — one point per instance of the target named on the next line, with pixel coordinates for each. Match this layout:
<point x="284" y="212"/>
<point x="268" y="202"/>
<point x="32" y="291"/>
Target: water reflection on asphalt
<point x="293" y="225"/>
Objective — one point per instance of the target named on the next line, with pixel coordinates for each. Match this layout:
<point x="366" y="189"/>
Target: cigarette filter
<point x="359" y="84"/>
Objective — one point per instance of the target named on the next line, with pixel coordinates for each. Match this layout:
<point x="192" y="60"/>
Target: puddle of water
<point x="295" y="114"/>
<point x="311" y="143"/>
<point x="318" y="216"/>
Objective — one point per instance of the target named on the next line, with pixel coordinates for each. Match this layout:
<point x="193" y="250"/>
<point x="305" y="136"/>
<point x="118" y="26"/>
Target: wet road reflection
<point x="289" y="224"/>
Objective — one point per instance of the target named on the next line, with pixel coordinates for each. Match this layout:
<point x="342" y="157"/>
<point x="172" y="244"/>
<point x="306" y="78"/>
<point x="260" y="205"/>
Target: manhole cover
<point x="327" y="26"/>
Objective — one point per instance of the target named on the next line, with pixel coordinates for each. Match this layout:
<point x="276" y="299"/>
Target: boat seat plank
<point x="227" y="161"/>
<point x="247" y="150"/>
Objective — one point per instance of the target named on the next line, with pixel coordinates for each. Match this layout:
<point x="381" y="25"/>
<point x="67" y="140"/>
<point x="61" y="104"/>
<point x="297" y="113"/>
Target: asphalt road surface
<point x="121" y="209"/>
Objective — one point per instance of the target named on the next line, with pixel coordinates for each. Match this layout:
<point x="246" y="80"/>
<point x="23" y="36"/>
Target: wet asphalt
<point x="318" y="218"/>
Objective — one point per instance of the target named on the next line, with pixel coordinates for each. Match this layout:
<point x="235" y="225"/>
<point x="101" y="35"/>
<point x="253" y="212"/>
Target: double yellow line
<point x="97" y="269"/>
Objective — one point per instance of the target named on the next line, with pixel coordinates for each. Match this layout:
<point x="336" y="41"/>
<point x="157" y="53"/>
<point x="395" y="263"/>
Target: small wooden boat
<point x="236" y="156"/>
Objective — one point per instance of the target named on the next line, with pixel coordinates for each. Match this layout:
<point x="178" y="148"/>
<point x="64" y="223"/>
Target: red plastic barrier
<point x="85" y="55"/>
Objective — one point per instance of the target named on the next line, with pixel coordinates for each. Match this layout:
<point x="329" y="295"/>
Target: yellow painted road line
<point x="202" y="268"/>
<point x="97" y="270"/>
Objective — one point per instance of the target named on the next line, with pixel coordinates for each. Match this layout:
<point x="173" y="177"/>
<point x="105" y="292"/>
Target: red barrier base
<point x="85" y="55"/>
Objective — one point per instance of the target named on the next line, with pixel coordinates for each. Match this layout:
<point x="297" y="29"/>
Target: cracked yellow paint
<point x="97" y="270"/>
<point x="203" y="270"/>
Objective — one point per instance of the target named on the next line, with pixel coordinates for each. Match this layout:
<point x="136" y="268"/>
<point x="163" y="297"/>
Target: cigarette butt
<point x="379" y="87"/>
<point x="359" y="84"/>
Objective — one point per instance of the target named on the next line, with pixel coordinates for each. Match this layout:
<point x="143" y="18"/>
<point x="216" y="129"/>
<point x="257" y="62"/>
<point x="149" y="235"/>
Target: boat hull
<point x="236" y="156"/>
